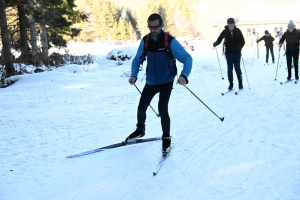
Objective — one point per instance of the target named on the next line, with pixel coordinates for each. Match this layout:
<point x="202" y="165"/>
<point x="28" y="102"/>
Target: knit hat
<point x="230" y="21"/>
<point x="291" y="24"/>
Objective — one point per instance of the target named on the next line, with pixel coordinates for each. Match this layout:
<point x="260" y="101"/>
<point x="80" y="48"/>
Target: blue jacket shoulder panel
<point x="137" y="60"/>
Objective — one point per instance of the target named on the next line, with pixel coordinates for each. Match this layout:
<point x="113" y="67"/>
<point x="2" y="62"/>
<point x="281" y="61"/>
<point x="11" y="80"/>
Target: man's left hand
<point x="181" y="80"/>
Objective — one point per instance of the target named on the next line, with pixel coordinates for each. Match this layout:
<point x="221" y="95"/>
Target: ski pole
<point x="277" y="51"/>
<point x="253" y="57"/>
<point x="222" y="119"/>
<point x="277" y="66"/>
<point x="149" y="105"/>
<point x="282" y="59"/>
<point x="219" y="64"/>
<point x="245" y="72"/>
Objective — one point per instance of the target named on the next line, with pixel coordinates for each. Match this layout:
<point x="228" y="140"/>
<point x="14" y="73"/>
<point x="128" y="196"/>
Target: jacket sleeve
<point x="260" y="39"/>
<point x="272" y="38"/>
<point x="282" y="38"/>
<point x="242" y="40"/>
<point x="221" y="37"/>
<point x="182" y="56"/>
<point x="138" y="60"/>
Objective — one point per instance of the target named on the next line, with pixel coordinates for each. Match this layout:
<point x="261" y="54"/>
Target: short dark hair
<point x="230" y="21"/>
<point x="266" y="31"/>
<point x="154" y="17"/>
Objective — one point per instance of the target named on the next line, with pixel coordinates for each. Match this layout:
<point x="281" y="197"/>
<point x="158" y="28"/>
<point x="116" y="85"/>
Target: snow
<point x="254" y="154"/>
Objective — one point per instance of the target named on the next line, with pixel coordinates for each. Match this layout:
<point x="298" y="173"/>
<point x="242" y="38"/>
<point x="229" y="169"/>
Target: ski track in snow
<point x="253" y="154"/>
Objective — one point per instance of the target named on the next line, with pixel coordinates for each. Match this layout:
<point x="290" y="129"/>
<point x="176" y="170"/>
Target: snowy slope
<point x="254" y="154"/>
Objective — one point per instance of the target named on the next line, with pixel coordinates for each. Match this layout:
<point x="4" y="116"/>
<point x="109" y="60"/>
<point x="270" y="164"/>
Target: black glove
<point x="186" y="80"/>
<point x="131" y="80"/>
<point x="214" y="44"/>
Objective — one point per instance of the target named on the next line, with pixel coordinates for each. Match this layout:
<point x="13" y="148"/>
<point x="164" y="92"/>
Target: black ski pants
<point x="234" y="60"/>
<point x="147" y="95"/>
<point x="267" y="53"/>
<point x="289" y="56"/>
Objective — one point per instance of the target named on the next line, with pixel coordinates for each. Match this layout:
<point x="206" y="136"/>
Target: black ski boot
<point x="139" y="132"/>
<point x="240" y="84"/>
<point x="289" y="73"/>
<point x="230" y="85"/>
<point x="166" y="145"/>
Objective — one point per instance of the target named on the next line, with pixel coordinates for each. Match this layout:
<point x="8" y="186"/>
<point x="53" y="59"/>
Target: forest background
<point x="32" y="27"/>
<point x="127" y="20"/>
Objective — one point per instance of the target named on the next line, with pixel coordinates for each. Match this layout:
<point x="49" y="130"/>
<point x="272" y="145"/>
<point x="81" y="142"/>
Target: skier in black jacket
<point x="234" y="42"/>
<point x="269" y="45"/>
<point x="292" y="37"/>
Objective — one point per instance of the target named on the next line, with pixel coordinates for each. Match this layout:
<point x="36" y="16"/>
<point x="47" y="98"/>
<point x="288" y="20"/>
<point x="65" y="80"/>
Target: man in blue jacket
<point x="160" y="74"/>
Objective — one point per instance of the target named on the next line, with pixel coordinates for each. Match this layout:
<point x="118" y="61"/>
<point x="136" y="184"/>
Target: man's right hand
<point x="132" y="80"/>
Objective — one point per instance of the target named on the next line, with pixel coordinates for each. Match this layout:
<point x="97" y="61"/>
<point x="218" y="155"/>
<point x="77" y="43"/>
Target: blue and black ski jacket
<point x="161" y="67"/>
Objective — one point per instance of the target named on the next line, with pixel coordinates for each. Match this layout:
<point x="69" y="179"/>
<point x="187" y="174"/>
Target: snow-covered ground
<point x="253" y="155"/>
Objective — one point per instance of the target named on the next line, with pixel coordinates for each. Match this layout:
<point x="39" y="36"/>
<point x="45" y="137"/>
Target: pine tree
<point x="59" y="16"/>
<point x="149" y="8"/>
<point x="23" y="22"/>
<point x="33" y="36"/>
<point x="6" y="56"/>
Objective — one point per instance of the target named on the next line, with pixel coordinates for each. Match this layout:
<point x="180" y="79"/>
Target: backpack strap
<point x="167" y="47"/>
<point x="166" y="42"/>
<point x="146" y="42"/>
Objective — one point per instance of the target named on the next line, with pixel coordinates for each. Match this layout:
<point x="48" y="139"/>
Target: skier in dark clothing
<point x="160" y="74"/>
<point x="269" y="45"/>
<point x="291" y="37"/>
<point x="234" y="42"/>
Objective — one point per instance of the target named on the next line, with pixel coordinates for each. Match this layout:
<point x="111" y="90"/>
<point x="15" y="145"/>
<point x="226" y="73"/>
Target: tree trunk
<point x="24" y="57"/>
<point x="6" y="51"/>
<point x="44" y="39"/>
<point x="34" y="46"/>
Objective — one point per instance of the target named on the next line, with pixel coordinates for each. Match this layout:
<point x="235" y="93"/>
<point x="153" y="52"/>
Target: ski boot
<point x="139" y="132"/>
<point x="166" y="145"/>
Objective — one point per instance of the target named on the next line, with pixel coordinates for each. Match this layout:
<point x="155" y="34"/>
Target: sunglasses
<point x="153" y="27"/>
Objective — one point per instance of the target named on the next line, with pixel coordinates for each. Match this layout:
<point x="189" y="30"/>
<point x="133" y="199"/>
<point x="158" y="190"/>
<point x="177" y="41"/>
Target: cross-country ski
<point x="228" y="91"/>
<point x="120" y="144"/>
<point x="238" y="91"/>
<point x="162" y="161"/>
<point x="286" y="81"/>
